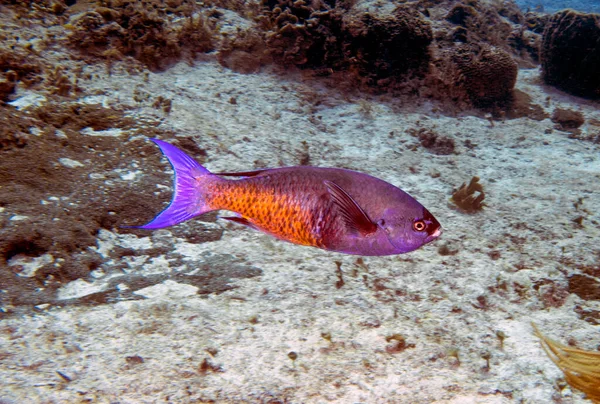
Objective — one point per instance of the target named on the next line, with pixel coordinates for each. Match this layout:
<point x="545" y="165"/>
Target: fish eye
<point x="419" y="225"/>
<point x="381" y="222"/>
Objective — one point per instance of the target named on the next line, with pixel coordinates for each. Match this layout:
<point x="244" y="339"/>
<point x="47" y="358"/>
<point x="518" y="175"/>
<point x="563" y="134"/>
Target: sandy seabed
<point x="416" y="328"/>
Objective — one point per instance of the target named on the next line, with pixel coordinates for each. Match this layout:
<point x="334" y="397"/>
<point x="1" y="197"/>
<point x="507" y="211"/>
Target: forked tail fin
<point x="188" y="195"/>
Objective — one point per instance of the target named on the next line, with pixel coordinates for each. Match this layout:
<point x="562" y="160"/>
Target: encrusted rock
<point x="485" y="76"/>
<point x="389" y="45"/>
<point x="570" y="53"/>
<point x="301" y="34"/>
<point x="374" y="46"/>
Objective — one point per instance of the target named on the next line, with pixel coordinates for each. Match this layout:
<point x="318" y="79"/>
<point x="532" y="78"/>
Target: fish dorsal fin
<point x="242" y="174"/>
<point x="355" y="218"/>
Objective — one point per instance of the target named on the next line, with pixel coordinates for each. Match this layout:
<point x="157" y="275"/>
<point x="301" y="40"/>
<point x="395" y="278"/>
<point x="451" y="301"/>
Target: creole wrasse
<point x="330" y="208"/>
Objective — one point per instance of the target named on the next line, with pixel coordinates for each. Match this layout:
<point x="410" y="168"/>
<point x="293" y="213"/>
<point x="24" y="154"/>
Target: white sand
<point x="532" y="180"/>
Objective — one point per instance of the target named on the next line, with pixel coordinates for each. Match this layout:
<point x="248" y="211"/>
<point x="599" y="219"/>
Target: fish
<point x="333" y="209"/>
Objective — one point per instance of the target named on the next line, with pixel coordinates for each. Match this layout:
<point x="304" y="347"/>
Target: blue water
<point x="551" y="6"/>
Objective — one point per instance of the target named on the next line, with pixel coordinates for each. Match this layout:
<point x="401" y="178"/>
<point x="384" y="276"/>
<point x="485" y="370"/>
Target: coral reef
<point x="301" y="34"/>
<point x="536" y="22"/>
<point x="141" y="29"/>
<point x="485" y="75"/>
<point x="570" y="53"/>
<point x="470" y="21"/>
<point x="525" y="44"/>
<point x="245" y="52"/>
<point x="584" y="286"/>
<point x="355" y="43"/>
<point x="460" y="13"/>
<point x="14" y="128"/>
<point x="391" y="46"/>
<point x="76" y="166"/>
<point x="375" y="47"/>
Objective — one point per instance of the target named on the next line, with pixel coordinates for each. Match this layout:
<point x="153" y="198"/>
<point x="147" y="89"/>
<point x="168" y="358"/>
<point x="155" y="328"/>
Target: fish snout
<point x="435" y="234"/>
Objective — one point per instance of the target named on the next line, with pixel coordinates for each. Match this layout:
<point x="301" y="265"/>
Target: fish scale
<point x="271" y="204"/>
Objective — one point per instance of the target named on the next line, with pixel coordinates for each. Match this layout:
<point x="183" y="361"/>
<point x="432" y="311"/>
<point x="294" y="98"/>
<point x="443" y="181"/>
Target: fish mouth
<point x="435" y="234"/>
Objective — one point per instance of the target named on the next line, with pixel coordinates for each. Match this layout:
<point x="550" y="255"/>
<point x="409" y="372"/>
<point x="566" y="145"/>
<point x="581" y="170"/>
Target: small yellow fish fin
<point x="356" y="218"/>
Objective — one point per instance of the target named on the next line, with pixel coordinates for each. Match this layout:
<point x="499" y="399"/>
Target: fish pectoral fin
<point x="355" y="218"/>
<point x="240" y="220"/>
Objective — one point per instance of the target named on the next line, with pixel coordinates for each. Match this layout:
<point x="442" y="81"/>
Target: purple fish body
<point x="330" y="208"/>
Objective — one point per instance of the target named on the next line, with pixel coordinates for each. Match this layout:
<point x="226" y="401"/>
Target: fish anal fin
<point x="240" y="220"/>
<point x="354" y="216"/>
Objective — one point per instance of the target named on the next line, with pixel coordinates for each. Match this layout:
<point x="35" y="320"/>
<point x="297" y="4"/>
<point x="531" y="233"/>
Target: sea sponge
<point x="570" y="53"/>
<point x="485" y="75"/>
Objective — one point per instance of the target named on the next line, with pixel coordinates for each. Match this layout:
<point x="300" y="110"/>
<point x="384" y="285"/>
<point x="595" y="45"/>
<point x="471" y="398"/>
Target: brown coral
<point x="465" y="197"/>
<point x="301" y="34"/>
<point x="388" y="46"/>
<point x="484" y="76"/>
<point x="570" y="53"/>
<point x="140" y="29"/>
<point x="434" y="142"/>
<point x="566" y="119"/>
<point x="460" y="13"/>
<point x="16" y="65"/>
<point x="317" y="35"/>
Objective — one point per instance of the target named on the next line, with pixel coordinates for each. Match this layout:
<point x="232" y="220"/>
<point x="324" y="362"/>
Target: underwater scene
<point x="310" y="201"/>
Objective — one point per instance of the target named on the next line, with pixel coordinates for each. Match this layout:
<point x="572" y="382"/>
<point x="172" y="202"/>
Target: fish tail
<point x="188" y="196"/>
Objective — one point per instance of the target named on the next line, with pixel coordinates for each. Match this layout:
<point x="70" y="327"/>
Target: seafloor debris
<point x="570" y="54"/>
<point x="465" y="197"/>
<point x="566" y="119"/>
<point x="581" y="368"/>
<point x="433" y="141"/>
